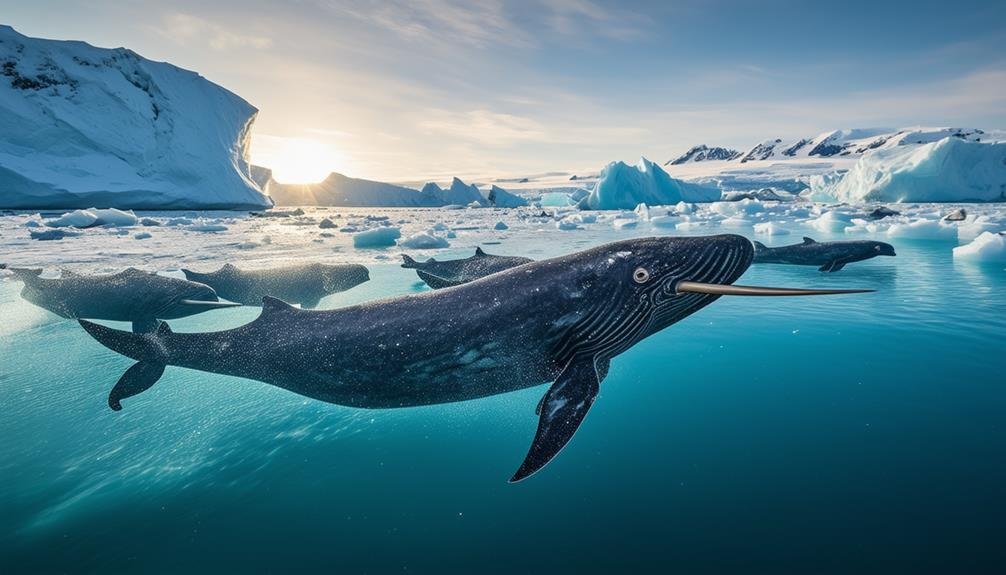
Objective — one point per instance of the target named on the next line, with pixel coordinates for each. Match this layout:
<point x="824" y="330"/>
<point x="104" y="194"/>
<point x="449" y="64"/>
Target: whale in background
<point x="304" y="284"/>
<point x="562" y="321"/>
<point x="132" y="295"/>
<point x="830" y="256"/>
<point x="441" y="274"/>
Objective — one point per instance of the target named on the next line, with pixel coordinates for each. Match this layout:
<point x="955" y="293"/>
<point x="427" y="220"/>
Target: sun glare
<point x="295" y="160"/>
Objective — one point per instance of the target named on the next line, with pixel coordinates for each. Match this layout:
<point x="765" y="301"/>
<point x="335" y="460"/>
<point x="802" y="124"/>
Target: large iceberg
<point x="500" y="198"/>
<point x="948" y="170"/>
<point x="340" y="190"/>
<point x="462" y="194"/>
<point x="623" y="187"/>
<point x="85" y="127"/>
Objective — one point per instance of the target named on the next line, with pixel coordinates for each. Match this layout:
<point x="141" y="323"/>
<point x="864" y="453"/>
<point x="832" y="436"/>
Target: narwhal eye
<point x="641" y="275"/>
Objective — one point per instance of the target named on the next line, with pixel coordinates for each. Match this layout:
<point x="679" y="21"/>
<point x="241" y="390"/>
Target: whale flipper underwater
<point x="132" y="295"/>
<point x="830" y="256"/>
<point x="304" y="284"/>
<point x="448" y="273"/>
<point x="563" y="320"/>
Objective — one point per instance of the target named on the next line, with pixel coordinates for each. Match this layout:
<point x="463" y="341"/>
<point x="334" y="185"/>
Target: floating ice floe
<point x="621" y="186"/>
<point x="501" y="226"/>
<point x="770" y="229"/>
<point x="377" y="237"/>
<point x="94" y="217"/>
<point x="987" y="247"/>
<point x="423" y="241"/>
<point x="923" y="230"/>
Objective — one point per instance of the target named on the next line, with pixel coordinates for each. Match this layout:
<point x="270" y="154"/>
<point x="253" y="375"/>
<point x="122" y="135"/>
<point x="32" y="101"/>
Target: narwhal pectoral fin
<point x="832" y="266"/>
<point x="137" y="379"/>
<point x="560" y="413"/>
<point x="435" y="281"/>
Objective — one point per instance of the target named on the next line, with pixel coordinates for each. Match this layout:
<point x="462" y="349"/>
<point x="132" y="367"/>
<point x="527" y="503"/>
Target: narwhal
<point x="559" y="320"/>
<point x="131" y="295"/>
<point x="831" y="256"/>
<point x="305" y="284"/>
<point x="447" y="273"/>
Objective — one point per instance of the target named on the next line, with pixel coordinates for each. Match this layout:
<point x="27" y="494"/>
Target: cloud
<point x="185" y="29"/>
<point x="483" y="126"/>
<point x="572" y="17"/>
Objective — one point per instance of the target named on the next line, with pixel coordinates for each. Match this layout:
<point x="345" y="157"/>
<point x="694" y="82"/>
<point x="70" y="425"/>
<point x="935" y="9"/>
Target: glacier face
<point x="623" y="187"/>
<point x="85" y="127"/>
<point x="948" y="170"/>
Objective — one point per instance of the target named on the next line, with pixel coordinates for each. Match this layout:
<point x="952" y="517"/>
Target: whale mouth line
<point x="208" y="304"/>
<point x="731" y="289"/>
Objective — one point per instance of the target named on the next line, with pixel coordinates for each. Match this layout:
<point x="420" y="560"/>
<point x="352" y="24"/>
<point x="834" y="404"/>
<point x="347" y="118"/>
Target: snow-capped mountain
<point x="702" y="153"/>
<point x="82" y="126"/>
<point x="837" y="143"/>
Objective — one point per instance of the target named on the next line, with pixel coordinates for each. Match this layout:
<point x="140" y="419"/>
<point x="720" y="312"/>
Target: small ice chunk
<point x="423" y="241"/>
<point x="770" y="229"/>
<point x="663" y="221"/>
<point x="207" y="228"/>
<point x="142" y="236"/>
<point x="987" y="247"/>
<point x="624" y="224"/>
<point x="327" y="224"/>
<point x="566" y="225"/>
<point x="377" y="237"/>
<point x="501" y="226"/>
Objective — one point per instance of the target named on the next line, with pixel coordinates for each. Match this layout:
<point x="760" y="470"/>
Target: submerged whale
<point x="132" y="295"/>
<point x="562" y="321"/>
<point x="456" y="272"/>
<point x="302" y="284"/>
<point x="830" y="256"/>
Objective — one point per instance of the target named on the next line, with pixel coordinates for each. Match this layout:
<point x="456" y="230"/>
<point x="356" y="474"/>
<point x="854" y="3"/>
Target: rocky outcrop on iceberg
<point x="623" y="187"/>
<point x="948" y="170"/>
<point x="85" y="127"/>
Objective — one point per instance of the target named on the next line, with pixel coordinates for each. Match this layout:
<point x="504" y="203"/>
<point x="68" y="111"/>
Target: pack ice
<point x="92" y="127"/>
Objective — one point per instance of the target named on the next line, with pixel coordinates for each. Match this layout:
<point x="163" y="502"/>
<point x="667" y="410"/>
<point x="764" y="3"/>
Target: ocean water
<point x="859" y="433"/>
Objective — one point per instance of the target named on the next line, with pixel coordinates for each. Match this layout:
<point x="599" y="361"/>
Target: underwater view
<point x="502" y="286"/>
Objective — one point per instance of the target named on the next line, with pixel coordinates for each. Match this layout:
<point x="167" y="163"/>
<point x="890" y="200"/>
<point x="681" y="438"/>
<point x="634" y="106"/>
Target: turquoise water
<point x="825" y="435"/>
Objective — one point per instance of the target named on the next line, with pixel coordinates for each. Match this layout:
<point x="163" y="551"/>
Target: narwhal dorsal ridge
<point x="479" y="253"/>
<point x="808" y="241"/>
<point x="274" y="306"/>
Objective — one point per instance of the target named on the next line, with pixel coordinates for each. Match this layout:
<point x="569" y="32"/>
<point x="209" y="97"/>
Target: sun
<point x="295" y="160"/>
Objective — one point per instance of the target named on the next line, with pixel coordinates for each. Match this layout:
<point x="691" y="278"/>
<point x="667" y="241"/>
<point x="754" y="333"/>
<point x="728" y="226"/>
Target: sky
<point x="409" y="90"/>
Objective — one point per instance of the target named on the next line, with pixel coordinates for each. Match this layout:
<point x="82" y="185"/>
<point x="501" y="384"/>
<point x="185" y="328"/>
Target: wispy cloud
<point x="570" y="17"/>
<point x="187" y="29"/>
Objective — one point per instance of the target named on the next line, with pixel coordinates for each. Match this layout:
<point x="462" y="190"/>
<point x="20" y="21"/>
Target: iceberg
<point x="82" y="126"/>
<point x="621" y="186"/>
<point x="94" y="217"/>
<point x="341" y="190"/>
<point x="500" y="198"/>
<point x="948" y="170"/>
<point x="462" y="194"/>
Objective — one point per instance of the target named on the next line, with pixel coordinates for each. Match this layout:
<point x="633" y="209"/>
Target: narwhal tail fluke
<point x="408" y="262"/>
<point x="147" y="349"/>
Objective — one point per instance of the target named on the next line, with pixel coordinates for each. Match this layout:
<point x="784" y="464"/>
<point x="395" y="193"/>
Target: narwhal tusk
<point x="209" y="304"/>
<point x="727" y="289"/>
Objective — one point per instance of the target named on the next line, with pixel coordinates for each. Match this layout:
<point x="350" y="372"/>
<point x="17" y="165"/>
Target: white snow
<point x="948" y="170"/>
<point x="987" y="247"/>
<point x="624" y="187"/>
<point x="84" y="126"/>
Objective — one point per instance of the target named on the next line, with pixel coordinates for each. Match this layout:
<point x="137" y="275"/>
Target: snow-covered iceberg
<point x="623" y="187"/>
<point x="84" y="127"/>
<point x="948" y="170"/>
